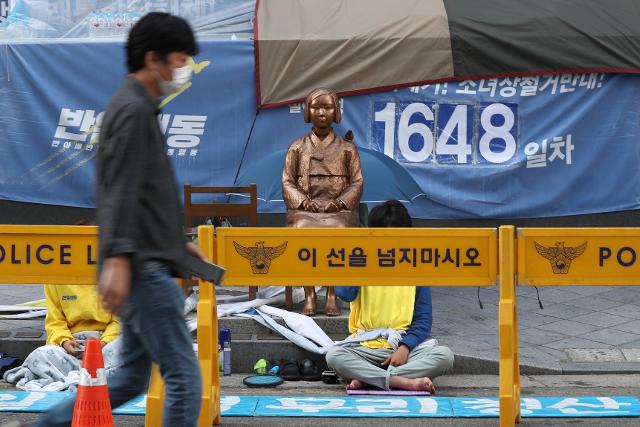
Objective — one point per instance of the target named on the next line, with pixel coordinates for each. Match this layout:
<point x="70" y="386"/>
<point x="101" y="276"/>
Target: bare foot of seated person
<point x="357" y="385"/>
<point x="398" y="383"/>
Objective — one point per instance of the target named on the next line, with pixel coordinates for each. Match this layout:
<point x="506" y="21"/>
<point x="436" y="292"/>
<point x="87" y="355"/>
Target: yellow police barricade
<point x="574" y="256"/>
<point x="67" y="255"/>
<point x="509" y="368"/>
<point x="59" y="255"/>
<point x="370" y="257"/>
<point x="207" y="351"/>
<point x="292" y="257"/>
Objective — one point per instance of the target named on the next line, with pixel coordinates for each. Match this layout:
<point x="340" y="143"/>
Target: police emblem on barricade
<point x="260" y="256"/>
<point x="560" y="256"/>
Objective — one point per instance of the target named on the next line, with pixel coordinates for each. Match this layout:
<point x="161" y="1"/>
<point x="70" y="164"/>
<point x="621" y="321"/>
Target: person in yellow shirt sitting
<point x="75" y="313"/>
<point x="390" y="346"/>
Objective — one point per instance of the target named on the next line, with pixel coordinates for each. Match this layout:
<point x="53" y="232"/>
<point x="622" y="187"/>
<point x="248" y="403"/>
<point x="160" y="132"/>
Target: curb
<point x="246" y="352"/>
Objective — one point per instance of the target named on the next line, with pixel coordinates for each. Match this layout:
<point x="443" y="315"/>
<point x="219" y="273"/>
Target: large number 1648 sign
<point x="428" y="132"/>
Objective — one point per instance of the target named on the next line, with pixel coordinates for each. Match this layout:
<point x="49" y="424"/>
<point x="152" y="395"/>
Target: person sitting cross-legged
<point x="391" y="345"/>
<point x="74" y="314"/>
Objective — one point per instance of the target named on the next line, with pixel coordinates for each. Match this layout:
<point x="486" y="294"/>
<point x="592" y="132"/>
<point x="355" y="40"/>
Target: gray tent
<point x="355" y="46"/>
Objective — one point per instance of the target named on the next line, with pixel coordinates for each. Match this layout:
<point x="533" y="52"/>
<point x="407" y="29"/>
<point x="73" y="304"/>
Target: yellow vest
<point x="382" y="307"/>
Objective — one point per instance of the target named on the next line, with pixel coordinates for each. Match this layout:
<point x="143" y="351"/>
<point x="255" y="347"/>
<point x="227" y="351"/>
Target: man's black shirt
<point x="138" y="205"/>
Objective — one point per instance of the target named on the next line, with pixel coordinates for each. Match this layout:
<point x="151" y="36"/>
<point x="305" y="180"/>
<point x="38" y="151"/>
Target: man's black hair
<point x="158" y="32"/>
<point x="391" y="213"/>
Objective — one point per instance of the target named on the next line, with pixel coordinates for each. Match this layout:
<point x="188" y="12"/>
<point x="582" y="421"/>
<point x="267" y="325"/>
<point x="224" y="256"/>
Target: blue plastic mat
<point x="344" y="407"/>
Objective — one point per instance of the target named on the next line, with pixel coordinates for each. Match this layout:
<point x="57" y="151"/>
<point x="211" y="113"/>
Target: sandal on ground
<point x="289" y="370"/>
<point x="310" y="371"/>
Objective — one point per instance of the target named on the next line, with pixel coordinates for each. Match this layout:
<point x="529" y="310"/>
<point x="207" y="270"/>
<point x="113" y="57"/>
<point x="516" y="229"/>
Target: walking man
<point x="141" y="240"/>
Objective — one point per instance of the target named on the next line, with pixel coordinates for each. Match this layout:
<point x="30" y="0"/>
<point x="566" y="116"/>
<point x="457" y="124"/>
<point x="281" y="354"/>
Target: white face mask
<point x="179" y="77"/>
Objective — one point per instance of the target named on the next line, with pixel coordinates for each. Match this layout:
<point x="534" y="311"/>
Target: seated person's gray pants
<point x="365" y="364"/>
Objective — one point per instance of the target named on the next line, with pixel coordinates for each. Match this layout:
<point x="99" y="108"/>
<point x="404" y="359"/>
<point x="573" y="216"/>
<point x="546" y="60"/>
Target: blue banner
<point x="494" y="148"/>
<point x="52" y="99"/>
<point x="535" y="147"/>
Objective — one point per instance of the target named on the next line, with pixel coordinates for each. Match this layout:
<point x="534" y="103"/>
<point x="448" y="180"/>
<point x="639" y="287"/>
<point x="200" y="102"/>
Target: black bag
<point x="8" y="362"/>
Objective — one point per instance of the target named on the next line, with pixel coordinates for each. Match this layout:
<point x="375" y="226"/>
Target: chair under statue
<point x="228" y="210"/>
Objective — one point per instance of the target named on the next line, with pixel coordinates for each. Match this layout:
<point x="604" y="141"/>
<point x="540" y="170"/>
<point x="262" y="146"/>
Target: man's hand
<point x="399" y="357"/>
<point x="195" y="250"/>
<point x="333" y="206"/>
<point x="72" y="347"/>
<point x="310" y="206"/>
<point x="114" y="282"/>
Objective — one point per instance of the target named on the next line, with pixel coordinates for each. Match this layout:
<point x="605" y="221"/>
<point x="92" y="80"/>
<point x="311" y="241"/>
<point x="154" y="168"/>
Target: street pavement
<point x="456" y="386"/>
<point x="582" y="329"/>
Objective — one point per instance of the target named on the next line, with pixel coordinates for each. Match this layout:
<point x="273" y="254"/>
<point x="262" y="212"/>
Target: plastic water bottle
<point x="224" y="340"/>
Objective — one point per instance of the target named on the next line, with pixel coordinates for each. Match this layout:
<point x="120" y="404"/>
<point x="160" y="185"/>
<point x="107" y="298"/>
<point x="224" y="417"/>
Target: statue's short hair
<point x="319" y="92"/>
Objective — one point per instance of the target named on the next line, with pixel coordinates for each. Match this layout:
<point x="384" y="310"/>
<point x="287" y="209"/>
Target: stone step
<point x="246" y="349"/>
<point x="251" y="341"/>
<point x="330" y="325"/>
<point x="246" y="352"/>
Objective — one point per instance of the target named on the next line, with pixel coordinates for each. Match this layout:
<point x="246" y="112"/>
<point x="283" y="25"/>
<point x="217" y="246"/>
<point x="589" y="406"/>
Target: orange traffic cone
<point x="92" y="408"/>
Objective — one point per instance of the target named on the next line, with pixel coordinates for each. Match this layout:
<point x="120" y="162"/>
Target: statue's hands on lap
<point x="333" y="206"/>
<point x="310" y="206"/>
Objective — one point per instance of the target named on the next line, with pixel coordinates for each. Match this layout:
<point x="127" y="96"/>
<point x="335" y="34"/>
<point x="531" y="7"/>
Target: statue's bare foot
<point x="331" y="307"/>
<point x="356" y="385"/>
<point x="309" y="308"/>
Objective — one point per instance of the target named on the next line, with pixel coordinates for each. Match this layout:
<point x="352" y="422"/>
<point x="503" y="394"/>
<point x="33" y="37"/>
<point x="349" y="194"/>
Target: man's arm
<point x="420" y="328"/>
<point x="120" y="179"/>
<point x="347" y="293"/>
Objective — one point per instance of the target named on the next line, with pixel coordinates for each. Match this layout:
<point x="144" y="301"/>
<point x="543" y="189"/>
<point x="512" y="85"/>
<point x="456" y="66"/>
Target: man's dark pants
<point x="153" y="329"/>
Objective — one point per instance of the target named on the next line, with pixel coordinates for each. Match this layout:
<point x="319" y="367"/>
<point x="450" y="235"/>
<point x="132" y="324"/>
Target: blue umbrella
<point x="384" y="178"/>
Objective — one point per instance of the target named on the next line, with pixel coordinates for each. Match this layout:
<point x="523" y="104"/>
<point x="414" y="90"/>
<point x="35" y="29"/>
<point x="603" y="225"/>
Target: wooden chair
<point x="213" y="209"/>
